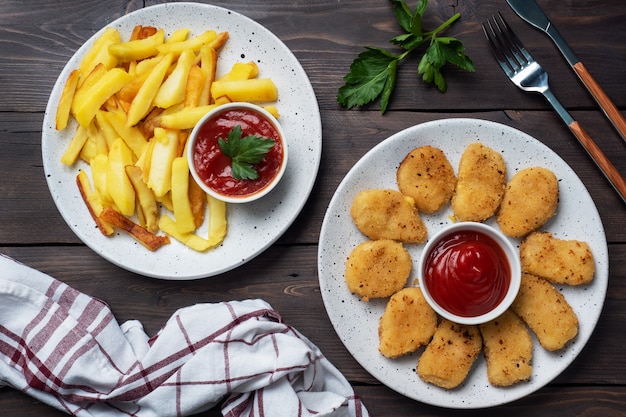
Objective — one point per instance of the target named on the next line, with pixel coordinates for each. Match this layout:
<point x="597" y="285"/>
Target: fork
<point x="527" y="74"/>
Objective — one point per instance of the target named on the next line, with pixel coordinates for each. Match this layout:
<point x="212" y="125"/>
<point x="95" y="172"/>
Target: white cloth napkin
<point x="66" y="349"/>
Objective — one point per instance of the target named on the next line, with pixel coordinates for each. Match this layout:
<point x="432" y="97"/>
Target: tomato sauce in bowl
<point x="212" y="169"/>
<point x="469" y="273"/>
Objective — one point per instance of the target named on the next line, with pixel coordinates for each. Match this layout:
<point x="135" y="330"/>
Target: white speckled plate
<point x="252" y="227"/>
<point x="356" y="322"/>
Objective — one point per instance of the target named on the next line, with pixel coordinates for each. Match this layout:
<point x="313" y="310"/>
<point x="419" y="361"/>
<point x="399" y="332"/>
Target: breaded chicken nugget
<point x="388" y="214"/>
<point x="530" y="200"/>
<point x="407" y="323"/>
<point x="508" y="349"/>
<point x="426" y="175"/>
<point x="559" y="261"/>
<point x="378" y="268"/>
<point x="546" y="311"/>
<point x="480" y="185"/>
<point x="449" y="356"/>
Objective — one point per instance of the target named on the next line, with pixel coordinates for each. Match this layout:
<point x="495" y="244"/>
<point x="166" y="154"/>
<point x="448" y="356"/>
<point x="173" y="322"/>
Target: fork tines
<point x="505" y="45"/>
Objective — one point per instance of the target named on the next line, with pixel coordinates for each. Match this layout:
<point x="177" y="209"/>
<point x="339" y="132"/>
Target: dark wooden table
<point x="38" y="37"/>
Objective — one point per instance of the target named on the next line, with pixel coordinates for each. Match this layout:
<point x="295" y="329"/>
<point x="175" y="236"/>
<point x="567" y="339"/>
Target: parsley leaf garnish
<point x="373" y="73"/>
<point x="244" y="152"/>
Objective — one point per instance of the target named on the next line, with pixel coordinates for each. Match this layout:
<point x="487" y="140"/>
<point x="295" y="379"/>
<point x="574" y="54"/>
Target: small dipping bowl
<point x="469" y="273"/>
<point x="211" y="168"/>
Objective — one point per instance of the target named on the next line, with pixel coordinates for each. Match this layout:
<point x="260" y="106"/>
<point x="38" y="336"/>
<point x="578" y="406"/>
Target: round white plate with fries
<point x="357" y="321"/>
<point x="251" y="228"/>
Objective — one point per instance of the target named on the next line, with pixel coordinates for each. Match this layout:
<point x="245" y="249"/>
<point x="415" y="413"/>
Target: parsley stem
<point x="444" y="25"/>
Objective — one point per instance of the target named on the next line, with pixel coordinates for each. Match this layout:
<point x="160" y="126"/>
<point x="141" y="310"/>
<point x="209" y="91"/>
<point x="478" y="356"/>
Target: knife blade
<point x="530" y="11"/>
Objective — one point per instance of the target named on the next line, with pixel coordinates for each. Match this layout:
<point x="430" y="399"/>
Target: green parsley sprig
<point x="373" y="73"/>
<point x="244" y="152"/>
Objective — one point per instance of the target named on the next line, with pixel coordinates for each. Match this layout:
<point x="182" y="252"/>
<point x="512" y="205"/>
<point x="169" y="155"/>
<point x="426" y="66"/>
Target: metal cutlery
<point x="530" y="11"/>
<point x="527" y="74"/>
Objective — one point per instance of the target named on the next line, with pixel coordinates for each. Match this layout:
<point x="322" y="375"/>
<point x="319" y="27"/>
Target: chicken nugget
<point x="557" y="260"/>
<point x="426" y="175"/>
<point x="388" y="214"/>
<point x="546" y="311"/>
<point x="508" y="349"/>
<point x="449" y="356"/>
<point x="480" y="185"/>
<point x="407" y="323"/>
<point x="378" y="268"/>
<point x="530" y="200"/>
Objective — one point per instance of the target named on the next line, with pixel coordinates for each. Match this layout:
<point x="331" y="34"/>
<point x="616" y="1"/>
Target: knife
<point x="530" y="11"/>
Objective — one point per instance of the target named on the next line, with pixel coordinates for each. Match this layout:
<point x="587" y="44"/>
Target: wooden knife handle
<point x="603" y="100"/>
<point x="609" y="170"/>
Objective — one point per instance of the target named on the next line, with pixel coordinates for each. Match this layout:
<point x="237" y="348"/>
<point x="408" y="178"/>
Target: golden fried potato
<point x="559" y="261"/>
<point x="480" y="186"/>
<point x="378" y="268"/>
<point x="449" y="356"/>
<point x="546" y="311"/>
<point x="530" y="200"/>
<point x="426" y="175"/>
<point x="387" y="214"/>
<point x="508" y="350"/>
<point x="407" y="323"/>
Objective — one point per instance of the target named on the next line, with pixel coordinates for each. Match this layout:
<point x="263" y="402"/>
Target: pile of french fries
<point x="135" y="103"/>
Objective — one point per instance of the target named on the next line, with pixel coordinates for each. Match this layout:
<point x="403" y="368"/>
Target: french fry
<point x="197" y="200"/>
<point x="185" y="222"/>
<point x="99" y="52"/>
<point x="241" y="71"/>
<point x="143" y="236"/>
<point x="65" y="102"/>
<point x="193" y="44"/>
<point x="208" y="65"/>
<point x="219" y="41"/>
<point x="142" y="103"/>
<point x="118" y="185"/>
<point x="217" y="220"/>
<point x="178" y="35"/>
<point x="99" y="167"/>
<point x="109" y="84"/>
<point x="172" y="91"/>
<point x="131" y="135"/>
<point x="93" y="203"/>
<point x="163" y="154"/>
<point x="254" y="90"/>
<point x="138" y="49"/>
<point x="147" y="203"/>
<point x="73" y="150"/>
<point x="194" y="86"/>
<point x="195" y="242"/>
<point x="187" y="118"/>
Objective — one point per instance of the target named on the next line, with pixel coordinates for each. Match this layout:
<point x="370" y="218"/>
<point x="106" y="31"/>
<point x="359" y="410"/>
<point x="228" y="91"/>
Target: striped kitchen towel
<point x="66" y="349"/>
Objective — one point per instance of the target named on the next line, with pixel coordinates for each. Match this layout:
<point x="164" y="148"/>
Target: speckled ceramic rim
<point x="216" y="112"/>
<point x="514" y="263"/>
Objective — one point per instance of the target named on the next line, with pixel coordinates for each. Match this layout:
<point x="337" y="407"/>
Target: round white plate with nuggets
<point x="356" y="321"/>
<point x="252" y="227"/>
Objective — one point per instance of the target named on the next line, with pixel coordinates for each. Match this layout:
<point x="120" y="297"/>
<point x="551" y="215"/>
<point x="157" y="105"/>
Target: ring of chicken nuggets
<point x="449" y="356"/>
<point x="530" y="199"/>
<point x="378" y="268"/>
<point x="480" y="184"/>
<point x="508" y="349"/>
<point x="425" y="175"/>
<point x="387" y="214"/>
<point x="407" y="323"/>
<point x="546" y="311"/>
<point x="557" y="260"/>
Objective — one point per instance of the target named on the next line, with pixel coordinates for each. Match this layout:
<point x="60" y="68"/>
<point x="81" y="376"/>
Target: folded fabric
<point x="66" y="349"/>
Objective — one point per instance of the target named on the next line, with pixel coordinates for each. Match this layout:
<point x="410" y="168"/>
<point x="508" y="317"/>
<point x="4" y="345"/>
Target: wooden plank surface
<point x="38" y="37"/>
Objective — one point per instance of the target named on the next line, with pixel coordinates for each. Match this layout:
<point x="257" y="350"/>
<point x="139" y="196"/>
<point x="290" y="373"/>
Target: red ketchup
<point x="214" y="168"/>
<point x="467" y="273"/>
